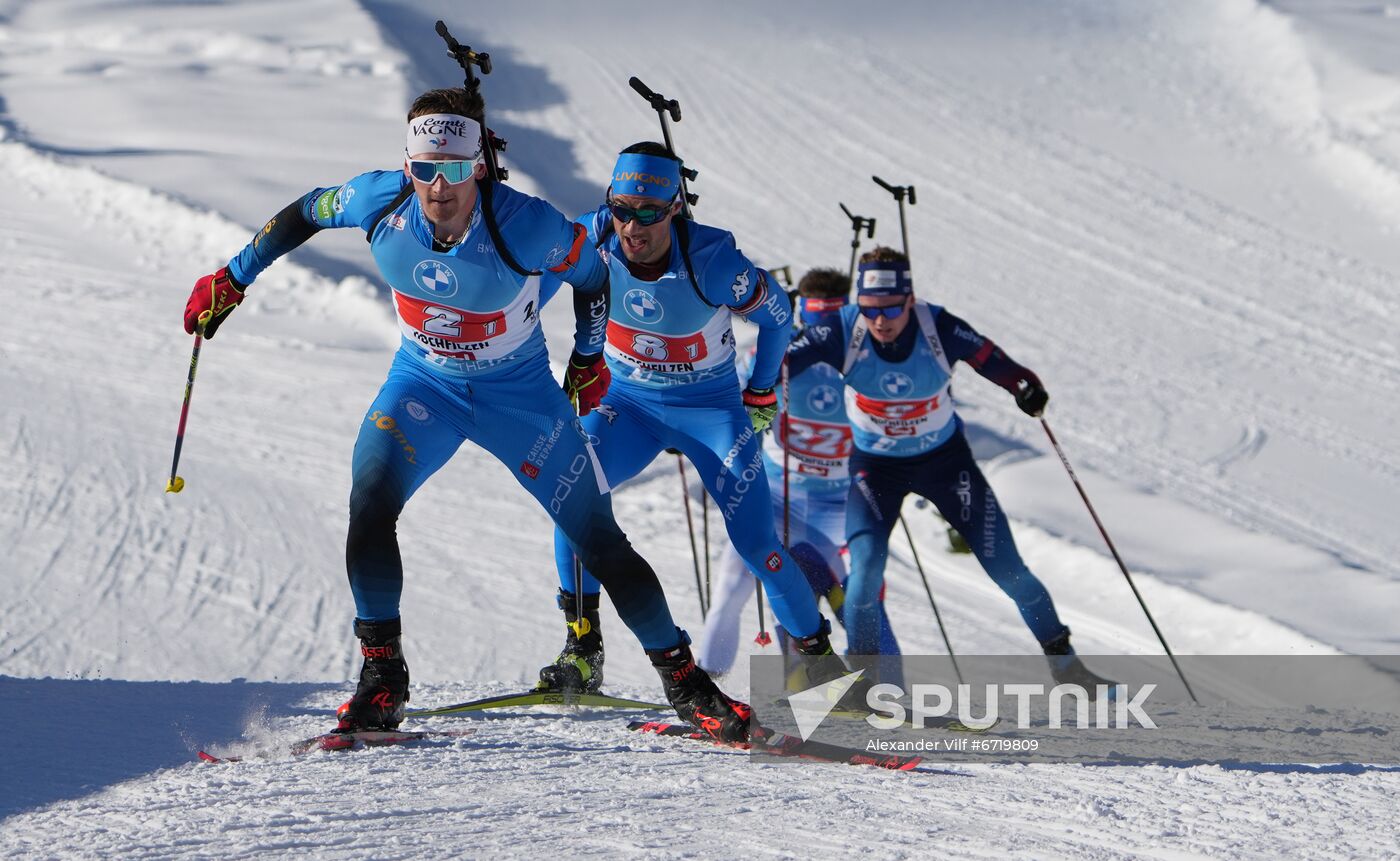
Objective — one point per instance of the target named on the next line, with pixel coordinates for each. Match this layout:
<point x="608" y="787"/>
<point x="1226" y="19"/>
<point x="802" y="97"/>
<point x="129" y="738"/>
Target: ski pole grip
<point x="641" y="88"/>
<point x="885" y="185"/>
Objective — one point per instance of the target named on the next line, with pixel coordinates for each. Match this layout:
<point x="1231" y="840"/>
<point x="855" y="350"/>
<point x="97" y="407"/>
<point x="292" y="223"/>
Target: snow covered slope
<point x="1181" y="214"/>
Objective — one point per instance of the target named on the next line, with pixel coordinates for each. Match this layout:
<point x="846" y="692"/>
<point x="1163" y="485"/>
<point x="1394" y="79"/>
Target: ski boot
<point x="378" y="703"/>
<point x="1068" y="669"/>
<point x="696" y="697"/>
<point x="579" y="667"/>
<point x="823" y="665"/>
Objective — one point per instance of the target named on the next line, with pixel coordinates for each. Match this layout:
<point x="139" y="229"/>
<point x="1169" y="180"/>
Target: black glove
<point x="1031" y="396"/>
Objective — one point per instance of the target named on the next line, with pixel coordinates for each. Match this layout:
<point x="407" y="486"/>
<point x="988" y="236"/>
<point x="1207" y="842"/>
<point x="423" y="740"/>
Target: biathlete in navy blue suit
<point x="896" y="355"/>
<point x="456" y="249"/>
<point x="676" y="285"/>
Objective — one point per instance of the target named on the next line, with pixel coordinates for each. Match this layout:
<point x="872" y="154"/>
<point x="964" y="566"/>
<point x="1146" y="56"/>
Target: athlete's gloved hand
<point x="1031" y="396"/>
<point x="586" y="380"/>
<point x="762" y="405"/>
<point x="218" y="294"/>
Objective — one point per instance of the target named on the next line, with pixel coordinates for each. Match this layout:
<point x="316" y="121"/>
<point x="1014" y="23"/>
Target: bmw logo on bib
<point x="437" y="278"/>
<point x="643" y="306"/>
<point x="896" y="384"/>
<point x="823" y="400"/>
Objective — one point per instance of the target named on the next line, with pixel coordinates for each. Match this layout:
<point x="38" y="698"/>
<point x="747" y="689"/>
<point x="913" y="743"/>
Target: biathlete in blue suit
<point x="675" y="286"/>
<point x="456" y="249"/>
<point x="813" y="516"/>
<point x="896" y="356"/>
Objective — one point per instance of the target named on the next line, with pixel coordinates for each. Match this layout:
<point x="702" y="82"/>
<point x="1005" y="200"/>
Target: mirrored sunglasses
<point x="891" y="312"/>
<point x="454" y="172"/>
<point x="644" y="215"/>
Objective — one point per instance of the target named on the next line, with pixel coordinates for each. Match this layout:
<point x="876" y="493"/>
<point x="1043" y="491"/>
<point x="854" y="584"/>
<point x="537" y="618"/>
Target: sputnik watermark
<point x="1107" y="707"/>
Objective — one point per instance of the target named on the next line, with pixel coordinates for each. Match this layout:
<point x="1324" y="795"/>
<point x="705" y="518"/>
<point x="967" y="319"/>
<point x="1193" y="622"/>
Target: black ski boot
<point x="579" y="667"/>
<point x="378" y="703"/>
<point x="1068" y="669"/>
<point x="824" y="665"/>
<point x="696" y="697"/>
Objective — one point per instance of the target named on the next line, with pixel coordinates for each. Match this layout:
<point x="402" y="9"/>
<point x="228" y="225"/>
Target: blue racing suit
<point x="472" y="365"/>
<point x="908" y="439"/>
<point x="813" y="526"/>
<point x="670" y="350"/>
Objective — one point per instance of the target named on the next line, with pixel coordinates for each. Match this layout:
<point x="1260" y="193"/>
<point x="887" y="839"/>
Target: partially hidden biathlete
<point x="812" y="517"/>
<point x="456" y="250"/>
<point x="676" y="286"/>
<point x="895" y="355"/>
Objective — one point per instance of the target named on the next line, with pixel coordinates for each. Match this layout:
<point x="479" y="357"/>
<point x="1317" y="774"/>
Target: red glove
<point x="586" y="380"/>
<point x="217" y="294"/>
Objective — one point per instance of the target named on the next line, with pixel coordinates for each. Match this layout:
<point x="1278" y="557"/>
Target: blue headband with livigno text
<point x="645" y="175"/>
<point x="884" y="278"/>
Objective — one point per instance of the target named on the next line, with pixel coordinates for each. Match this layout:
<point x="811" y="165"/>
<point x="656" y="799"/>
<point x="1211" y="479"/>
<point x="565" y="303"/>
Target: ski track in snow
<point x="1198" y="353"/>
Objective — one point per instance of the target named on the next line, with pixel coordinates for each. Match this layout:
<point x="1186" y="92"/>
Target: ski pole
<point x="176" y="483"/>
<point x="858" y="224"/>
<point x="671" y="108"/>
<point x="1119" y="559"/>
<point x="690" y="527"/>
<point x="937" y="617"/>
<point x="783" y="438"/>
<point x="705" y="538"/>
<point x="763" y="638"/>
<point x="900" y="192"/>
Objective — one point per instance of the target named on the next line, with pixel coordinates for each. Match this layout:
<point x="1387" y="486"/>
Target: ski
<point x="947" y="724"/>
<point x="779" y="744"/>
<point x="349" y="741"/>
<point x="539" y="698"/>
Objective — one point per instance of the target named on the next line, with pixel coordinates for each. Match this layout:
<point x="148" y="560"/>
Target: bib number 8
<point x="649" y="347"/>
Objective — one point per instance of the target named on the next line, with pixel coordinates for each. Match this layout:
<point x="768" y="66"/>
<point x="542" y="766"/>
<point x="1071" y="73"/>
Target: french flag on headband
<point x="884" y="278"/>
<point x="823" y="304"/>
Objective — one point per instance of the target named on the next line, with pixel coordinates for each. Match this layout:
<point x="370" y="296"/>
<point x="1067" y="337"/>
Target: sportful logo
<point x="436" y="277"/>
<point x="387" y="424"/>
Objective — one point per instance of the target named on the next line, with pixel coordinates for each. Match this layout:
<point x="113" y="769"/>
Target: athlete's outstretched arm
<point x="962" y="342"/>
<point x="351" y="205"/>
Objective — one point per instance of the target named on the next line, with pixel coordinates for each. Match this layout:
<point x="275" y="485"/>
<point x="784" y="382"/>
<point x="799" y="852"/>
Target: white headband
<point x="452" y="134"/>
